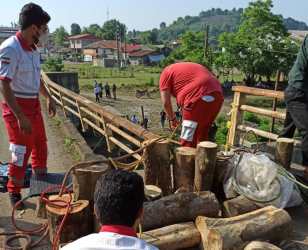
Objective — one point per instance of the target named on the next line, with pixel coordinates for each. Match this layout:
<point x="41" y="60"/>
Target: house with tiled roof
<point x="79" y="42"/>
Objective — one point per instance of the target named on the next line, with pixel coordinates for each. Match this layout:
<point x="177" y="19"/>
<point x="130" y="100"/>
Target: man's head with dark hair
<point x="34" y="20"/>
<point x="118" y="198"/>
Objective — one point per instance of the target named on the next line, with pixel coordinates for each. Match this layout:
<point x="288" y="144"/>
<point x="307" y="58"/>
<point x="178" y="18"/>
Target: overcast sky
<point x="137" y="14"/>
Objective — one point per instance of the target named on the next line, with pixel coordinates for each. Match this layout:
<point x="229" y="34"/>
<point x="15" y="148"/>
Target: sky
<point x="136" y="14"/>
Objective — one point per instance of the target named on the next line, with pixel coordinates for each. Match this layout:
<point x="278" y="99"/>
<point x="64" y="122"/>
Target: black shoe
<point x="14" y="198"/>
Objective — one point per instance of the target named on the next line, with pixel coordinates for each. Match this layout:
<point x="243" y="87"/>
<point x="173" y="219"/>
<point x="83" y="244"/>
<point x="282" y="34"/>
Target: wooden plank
<point x="69" y="101"/>
<point x="124" y="135"/>
<point x="72" y="111"/>
<point x="236" y="118"/>
<point x="124" y="147"/>
<point x="265" y="112"/>
<point x="93" y="125"/>
<point x="259" y="92"/>
<point x="258" y="132"/>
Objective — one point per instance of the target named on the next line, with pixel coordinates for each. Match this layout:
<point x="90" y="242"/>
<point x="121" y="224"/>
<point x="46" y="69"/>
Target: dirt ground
<point x="127" y="104"/>
<point x="58" y="161"/>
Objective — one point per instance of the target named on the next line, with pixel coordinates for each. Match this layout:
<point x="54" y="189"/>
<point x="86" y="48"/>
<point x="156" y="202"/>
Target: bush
<point x="53" y="64"/>
<point x="222" y="130"/>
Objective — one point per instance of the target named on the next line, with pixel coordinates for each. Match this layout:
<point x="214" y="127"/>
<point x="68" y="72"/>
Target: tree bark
<point x="178" y="208"/>
<point x="205" y="165"/>
<point x="84" y="181"/>
<point x="77" y="224"/>
<point x="157" y="166"/>
<point x="184" y="169"/>
<point x="174" y="237"/>
<point x="284" y="151"/>
<point x="237" y="206"/>
<point x="268" y="223"/>
<point x="259" y="245"/>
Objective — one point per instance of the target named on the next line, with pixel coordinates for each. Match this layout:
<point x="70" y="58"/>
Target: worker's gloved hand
<point x="174" y="123"/>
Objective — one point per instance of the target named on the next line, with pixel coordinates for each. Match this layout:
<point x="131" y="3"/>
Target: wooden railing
<point x="239" y="107"/>
<point x="117" y="130"/>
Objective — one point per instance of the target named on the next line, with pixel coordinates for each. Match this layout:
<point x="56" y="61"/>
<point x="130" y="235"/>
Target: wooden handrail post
<point x="108" y="133"/>
<point x="284" y="151"/>
<point x="236" y="118"/>
<point x="62" y="104"/>
<point x="80" y="114"/>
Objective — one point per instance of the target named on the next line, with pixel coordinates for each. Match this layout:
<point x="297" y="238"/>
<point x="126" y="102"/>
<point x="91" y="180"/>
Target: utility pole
<point x="206" y="41"/>
<point x="118" y="47"/>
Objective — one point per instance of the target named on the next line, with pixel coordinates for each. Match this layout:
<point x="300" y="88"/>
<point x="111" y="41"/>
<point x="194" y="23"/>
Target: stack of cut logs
<point x="193" y="213"/>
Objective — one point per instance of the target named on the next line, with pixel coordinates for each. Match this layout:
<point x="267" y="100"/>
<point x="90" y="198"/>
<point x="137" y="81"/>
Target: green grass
<point x="130" y="77"/>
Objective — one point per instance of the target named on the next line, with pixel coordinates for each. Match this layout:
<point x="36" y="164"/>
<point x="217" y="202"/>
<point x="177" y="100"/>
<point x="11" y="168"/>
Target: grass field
<point x="130" y="77"/>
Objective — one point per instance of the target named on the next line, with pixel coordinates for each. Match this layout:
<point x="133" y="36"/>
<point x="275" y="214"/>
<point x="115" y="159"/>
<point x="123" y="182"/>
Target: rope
<point x="43" y="229"/>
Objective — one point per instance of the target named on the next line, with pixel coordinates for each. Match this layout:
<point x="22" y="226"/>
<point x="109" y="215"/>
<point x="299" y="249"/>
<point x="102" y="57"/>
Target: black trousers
<point x="297" y="118"/>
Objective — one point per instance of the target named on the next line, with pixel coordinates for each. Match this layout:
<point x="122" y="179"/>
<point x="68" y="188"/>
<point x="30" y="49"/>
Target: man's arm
<point x="9" y="98"/>
<point x="166" y="101"/>
<point x="51" y="105"/>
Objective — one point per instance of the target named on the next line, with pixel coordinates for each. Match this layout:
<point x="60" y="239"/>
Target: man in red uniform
<point x="198" y="93"/>
<point x="20" y="85"/>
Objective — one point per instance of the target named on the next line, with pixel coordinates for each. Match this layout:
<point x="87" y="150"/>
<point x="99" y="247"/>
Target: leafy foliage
<point x="75" y="29"/>
<point x="60" y="35"/>
<point x="260" y="46"/>
<point x="53" y="64"/>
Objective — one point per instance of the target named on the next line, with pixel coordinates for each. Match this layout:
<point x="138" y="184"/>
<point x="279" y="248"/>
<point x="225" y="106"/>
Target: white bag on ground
<point x="257" y="178"/>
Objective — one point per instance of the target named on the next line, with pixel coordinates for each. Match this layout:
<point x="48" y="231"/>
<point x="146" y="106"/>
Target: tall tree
<point x="111" y="28"/>
<point x="75" y="29"/>
<point x="261" y="46"/>
<point x="60" y="35"/>
<point x="162" y="25"/>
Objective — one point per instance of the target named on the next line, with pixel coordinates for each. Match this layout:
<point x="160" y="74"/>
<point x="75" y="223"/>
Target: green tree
<point x="75" y="29"/>
<point x="191" y="49"/>
<point x="94" y="29"/>
<point x="261" y="45"/>
<point x="53" y="64"/>
<point x="162" y="25"/>
<point x="111" y="28"/>
<point x="60" y="35"/>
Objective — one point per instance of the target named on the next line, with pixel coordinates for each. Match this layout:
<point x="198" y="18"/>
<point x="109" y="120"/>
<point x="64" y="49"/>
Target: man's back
<point x="108" y="241"/>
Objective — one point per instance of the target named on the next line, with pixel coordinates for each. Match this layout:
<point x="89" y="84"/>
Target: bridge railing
<point x="239" y="106"/>
<point x="117" y="130"/>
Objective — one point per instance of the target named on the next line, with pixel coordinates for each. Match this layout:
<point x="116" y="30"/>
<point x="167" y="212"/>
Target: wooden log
<point x="259" y="245"/>
<point x="184" y="169"/>
<point x="268" y="223"/>
<point x="84" y="181"/>
<point x="258" y="132"/>
<point x="77" y="224"/>
<point x="157" y="165"/>
<point x="237" y="206"/>
<point x="178" y="236"/>
<point x="258" y="92"/>
<point x="178" y="208"/>
<point x="284" y="151"/>
<point x="263" y="112"/>
<point x="205" y="165"/>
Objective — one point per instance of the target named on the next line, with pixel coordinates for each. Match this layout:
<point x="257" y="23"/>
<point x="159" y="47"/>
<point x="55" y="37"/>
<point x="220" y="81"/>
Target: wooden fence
<point x="239" y="107"/>
<point x="117" y="130"/>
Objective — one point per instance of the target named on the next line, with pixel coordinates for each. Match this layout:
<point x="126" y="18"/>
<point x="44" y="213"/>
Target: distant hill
<point x="219" y="21"/>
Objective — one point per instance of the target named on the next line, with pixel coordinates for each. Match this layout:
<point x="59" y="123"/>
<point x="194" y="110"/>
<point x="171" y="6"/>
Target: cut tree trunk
<point x="157" y="165"/>
<point x="78" y="223"/>
<point x="84" y="181"/>
<point x="284" y="151"/>
<point x="237" y="206"/>
<point x="259" y="245"/>
<point x="205" y="165"/>
<point x="174" y="237"/>
<point x="184" y="169"/>
<point x="268" y="223"/>
<point x="178" y="208"/>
